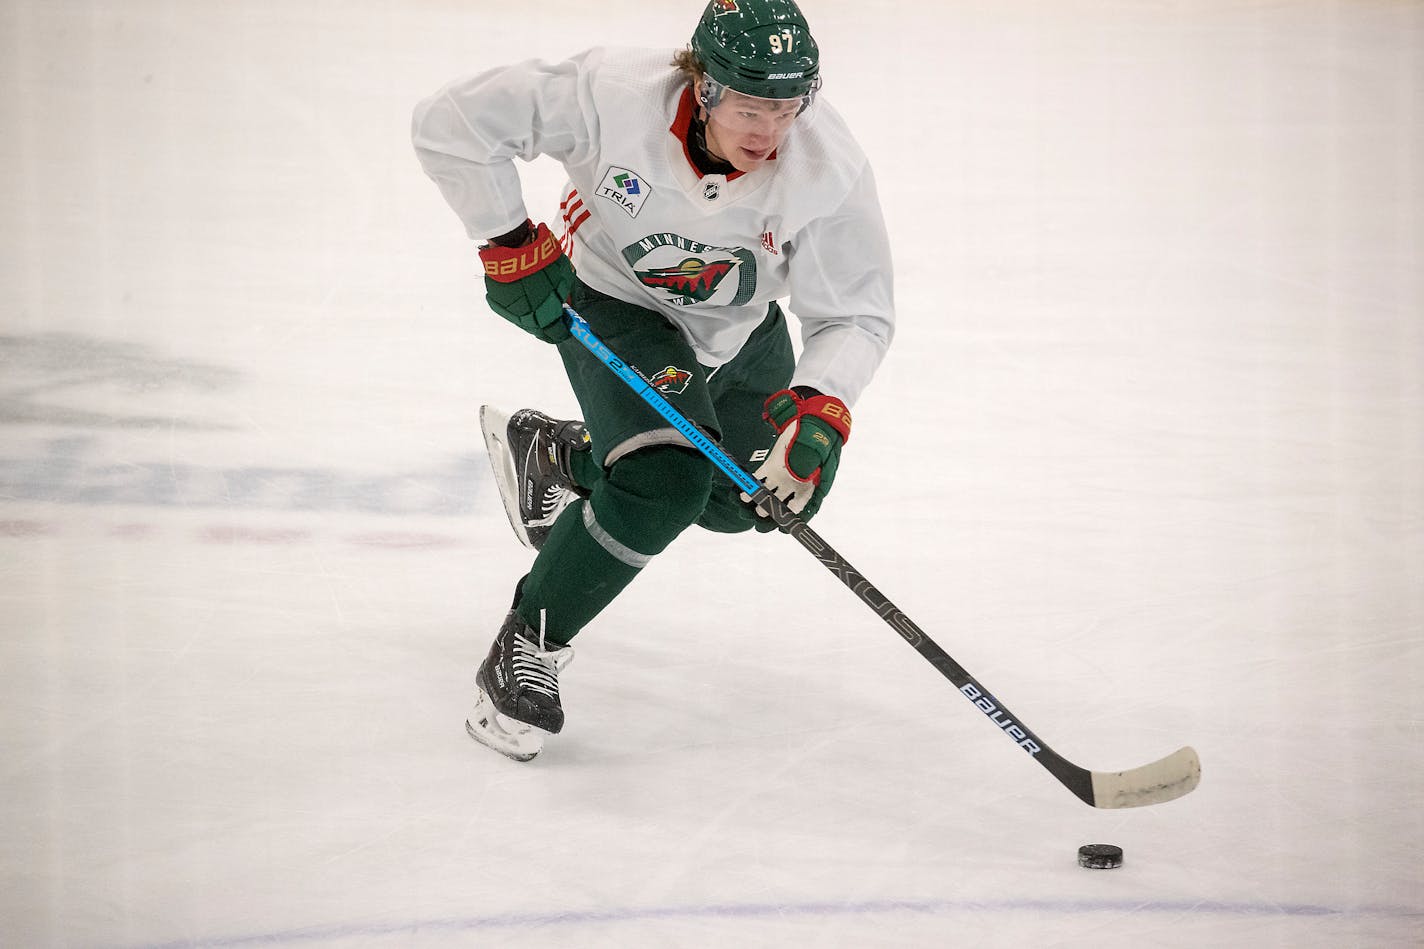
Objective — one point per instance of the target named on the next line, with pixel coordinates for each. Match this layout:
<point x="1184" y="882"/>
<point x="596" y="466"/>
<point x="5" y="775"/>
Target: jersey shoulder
<point x="621" y="73"/>
<point x="826" y="145"/>
<point x="821" y="164"/>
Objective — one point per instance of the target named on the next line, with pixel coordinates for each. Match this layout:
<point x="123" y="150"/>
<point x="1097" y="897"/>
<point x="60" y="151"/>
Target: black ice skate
<point x="517" y="691"/>
<point x="530" y="455"/>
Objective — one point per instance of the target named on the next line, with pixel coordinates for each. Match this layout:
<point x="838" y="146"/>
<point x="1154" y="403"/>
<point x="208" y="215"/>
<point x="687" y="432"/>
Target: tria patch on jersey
<point x="624" y="188"/>
<point x="683" y="272"/>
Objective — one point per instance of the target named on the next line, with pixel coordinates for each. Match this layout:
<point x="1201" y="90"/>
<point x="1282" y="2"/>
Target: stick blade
<point x="1175" y="775"/>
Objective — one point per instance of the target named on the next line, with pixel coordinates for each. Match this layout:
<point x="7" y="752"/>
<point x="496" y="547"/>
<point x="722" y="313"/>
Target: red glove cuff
<point x="827" y="408"/>
<point x="509" y="264"/>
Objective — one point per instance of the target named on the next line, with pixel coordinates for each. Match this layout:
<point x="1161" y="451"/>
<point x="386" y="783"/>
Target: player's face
<point x="744" y="130"/>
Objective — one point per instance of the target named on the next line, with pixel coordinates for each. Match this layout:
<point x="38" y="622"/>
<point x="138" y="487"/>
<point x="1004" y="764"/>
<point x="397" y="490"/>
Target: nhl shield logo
<point x="711" y="191"/>
<point x="671" y="381"/>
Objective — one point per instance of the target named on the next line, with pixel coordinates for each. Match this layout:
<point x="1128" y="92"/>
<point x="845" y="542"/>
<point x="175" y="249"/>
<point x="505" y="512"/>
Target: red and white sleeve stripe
<point x="574" y="214"/>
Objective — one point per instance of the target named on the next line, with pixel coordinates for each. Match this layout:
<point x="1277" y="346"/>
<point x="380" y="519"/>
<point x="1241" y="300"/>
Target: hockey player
<point x="704" y="185"/>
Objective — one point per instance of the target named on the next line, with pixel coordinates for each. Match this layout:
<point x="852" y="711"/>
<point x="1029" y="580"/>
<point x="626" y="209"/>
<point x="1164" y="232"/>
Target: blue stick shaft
<point x="581" y="331"/>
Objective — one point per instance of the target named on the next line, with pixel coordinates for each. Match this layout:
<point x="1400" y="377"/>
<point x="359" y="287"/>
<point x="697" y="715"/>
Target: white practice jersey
<point x="640" y="224"/>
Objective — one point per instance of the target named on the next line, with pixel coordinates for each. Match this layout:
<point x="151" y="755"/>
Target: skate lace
<point x="537" y="667"/>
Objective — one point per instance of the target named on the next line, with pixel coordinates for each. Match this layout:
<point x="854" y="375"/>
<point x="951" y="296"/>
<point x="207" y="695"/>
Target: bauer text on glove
<point x="527" y="284"/>
<point x="802" y="463"/>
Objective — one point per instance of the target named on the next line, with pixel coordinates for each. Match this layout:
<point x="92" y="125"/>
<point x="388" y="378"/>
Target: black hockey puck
<point x="1100" y="856"/>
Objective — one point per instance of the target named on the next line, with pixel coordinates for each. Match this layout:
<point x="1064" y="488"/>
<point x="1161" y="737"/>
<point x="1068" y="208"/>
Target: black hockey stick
<point x="1164" y="780"/>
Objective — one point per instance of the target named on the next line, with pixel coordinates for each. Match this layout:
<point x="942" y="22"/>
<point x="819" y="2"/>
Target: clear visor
<point x="743" y="113"/>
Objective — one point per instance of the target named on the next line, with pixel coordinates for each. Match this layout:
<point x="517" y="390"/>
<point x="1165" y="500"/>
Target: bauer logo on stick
<point x="997" y="716"/>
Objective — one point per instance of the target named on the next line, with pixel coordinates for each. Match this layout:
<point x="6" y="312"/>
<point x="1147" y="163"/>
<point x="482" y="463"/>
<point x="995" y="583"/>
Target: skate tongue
<point x="562" y="654"/>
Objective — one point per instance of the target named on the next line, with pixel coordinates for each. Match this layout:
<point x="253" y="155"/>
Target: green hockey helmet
<point x="760" y="48"/>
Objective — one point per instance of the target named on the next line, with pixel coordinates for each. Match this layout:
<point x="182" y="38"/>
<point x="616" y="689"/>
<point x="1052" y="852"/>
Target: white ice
<point x="1147" y="457"/>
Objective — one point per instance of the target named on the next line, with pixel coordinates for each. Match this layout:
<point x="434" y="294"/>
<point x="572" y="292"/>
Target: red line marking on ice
<point x="402" y="541"/>
<point x="132" y="531"/>
<point x="23" y="528"/>
<point x="236" y="534"/>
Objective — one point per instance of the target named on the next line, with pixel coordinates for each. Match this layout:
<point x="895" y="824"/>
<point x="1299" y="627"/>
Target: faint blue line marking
<point x="787" y="910"/>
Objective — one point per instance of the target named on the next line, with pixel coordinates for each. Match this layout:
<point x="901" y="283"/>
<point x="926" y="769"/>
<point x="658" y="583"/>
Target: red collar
<point x="682" y="128"/>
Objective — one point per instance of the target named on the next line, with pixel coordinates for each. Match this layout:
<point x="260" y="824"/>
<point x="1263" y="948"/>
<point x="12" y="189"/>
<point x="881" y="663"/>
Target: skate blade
<point x="494" y="424"/>
<point x="503" y="734"/>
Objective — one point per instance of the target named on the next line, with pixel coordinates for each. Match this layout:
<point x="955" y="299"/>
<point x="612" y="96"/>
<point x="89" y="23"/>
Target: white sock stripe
<point x="610" y="543"/>
<point x="658" y="436"/>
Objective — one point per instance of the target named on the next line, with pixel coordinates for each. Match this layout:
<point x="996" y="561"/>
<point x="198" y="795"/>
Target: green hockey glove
<point x="801" y="464"/>
<point x="528" y="284"/>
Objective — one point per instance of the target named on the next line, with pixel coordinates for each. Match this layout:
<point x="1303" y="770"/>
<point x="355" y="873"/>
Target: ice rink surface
<point x="1147" y="458"/>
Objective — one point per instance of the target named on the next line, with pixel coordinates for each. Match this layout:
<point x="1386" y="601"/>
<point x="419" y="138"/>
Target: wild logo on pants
<point x="669" y="381"/>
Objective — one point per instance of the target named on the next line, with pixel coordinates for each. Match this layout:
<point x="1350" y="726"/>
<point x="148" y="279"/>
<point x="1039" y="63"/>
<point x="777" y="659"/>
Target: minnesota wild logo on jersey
<point x="685" y="271"/>
<point x="693" y="278"/>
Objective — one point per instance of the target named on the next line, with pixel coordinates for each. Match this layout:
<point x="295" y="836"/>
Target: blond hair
<point x="689" y="65"/>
